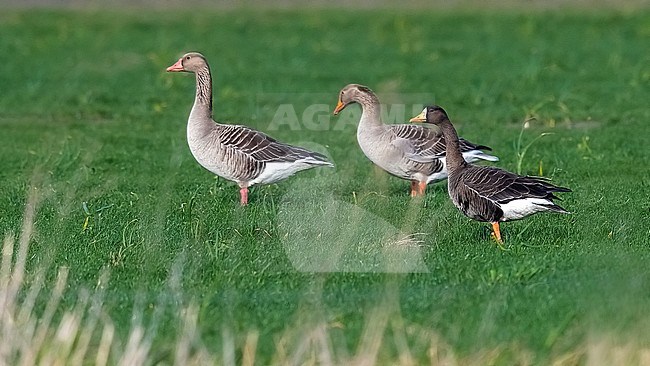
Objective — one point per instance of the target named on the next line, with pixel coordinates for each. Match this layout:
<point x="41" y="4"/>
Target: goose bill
<point x="339" y="107"/>
<point x="422" y="117"/>
<point x="178" y="66"/>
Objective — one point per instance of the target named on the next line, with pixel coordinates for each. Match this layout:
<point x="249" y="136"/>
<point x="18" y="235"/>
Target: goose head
<point x="431" y="114"/>
<point x="190" y="62"/>
<point x="353" y="93"/>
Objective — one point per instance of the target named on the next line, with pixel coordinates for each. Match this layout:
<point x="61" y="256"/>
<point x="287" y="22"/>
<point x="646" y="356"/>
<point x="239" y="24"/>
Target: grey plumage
<point x="235" y="152"/>
<point x="428" y="144"/>
<point x="407" y="151"/>
<point x="248" y="151"/>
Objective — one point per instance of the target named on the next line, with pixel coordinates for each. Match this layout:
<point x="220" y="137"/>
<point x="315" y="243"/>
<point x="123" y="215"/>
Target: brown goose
<point x="234" y="152"/>
<point x="406" y="151"/>
<point x="485" y="193"/>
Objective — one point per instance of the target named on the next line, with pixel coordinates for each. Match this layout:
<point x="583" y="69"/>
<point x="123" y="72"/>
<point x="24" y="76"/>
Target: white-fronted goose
<point x="234" y="152"/>
<point x="406" y="151"/>
<point x="485" y="193"/>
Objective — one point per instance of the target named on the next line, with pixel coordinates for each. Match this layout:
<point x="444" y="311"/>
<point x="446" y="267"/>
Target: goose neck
<point x="203" y="100"/>
<point x="454" y="157"/>
<point x="370" y="110"/>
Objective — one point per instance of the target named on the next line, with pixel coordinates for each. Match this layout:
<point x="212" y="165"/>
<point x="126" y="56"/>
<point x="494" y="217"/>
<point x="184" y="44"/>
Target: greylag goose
<point x="489" y="194"/>
<point x="234" y="152"/>
<point x="410" y="152"/>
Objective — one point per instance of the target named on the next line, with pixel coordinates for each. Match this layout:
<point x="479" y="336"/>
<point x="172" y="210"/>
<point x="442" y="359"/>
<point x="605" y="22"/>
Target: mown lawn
<point x="92" y="122"/>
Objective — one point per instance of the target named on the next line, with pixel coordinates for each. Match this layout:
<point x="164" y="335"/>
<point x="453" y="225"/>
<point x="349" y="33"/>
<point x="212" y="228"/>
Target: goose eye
<point x="187" y="57"/>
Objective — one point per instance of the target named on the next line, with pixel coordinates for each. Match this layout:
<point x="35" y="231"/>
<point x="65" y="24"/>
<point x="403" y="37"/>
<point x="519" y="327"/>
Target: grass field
<point x="137" y="255"/>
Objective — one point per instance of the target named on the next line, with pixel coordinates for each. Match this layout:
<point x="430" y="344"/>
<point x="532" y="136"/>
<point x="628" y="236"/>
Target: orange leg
<point x="243" y="193"/>
<point x="496" y="234"/>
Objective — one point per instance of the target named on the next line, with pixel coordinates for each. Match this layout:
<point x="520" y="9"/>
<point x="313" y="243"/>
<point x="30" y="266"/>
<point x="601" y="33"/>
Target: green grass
<point x="92" y="122"/>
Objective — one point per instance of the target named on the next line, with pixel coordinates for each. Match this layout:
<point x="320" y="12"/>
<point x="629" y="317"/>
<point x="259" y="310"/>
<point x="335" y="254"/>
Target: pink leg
<point x="414" y="188"/>
<point x="243" y="193"/>
<point x="422" y="188"/>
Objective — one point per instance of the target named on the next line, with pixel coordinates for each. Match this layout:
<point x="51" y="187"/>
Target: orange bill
<point x="419" y="118"/>
<point x="339" y="107"/>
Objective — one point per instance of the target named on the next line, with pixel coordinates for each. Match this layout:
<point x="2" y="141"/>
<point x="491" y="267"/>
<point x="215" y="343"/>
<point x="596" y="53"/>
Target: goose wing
<point x="418" y="143"/>
<point x="423" y="144"/>
<point x="501" y="186"/>
<point x="262" y="148"/>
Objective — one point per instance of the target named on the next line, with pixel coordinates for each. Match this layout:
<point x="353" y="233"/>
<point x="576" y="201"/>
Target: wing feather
<point x="423" y="144"/>
<point x="260" y="147"/>
<point x="501" y="186"/>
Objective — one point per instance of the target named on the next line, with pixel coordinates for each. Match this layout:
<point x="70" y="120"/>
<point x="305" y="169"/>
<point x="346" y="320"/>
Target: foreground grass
<point x="85" y="332"/>
<point x="95" y="128"/>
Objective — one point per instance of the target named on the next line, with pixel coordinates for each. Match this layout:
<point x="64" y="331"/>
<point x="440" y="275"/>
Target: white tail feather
<point x="475" y="155"/>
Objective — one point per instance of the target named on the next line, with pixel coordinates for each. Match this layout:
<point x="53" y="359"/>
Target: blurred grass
<point x="90" y="119"/>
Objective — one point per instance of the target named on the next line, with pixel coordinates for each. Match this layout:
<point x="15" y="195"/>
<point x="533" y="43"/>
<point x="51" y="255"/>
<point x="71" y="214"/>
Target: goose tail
<point x="315" y="158"/>
<point x="551" y="206"/>
<point x="476" y="155"/>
